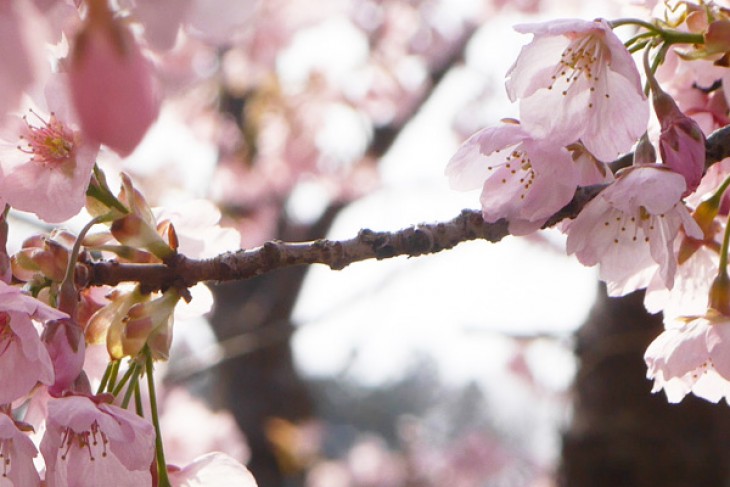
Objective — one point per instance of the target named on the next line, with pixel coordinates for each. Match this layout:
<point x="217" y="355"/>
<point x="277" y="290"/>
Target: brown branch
<point x="412" y="241"/>
<point x="244" y="264"/>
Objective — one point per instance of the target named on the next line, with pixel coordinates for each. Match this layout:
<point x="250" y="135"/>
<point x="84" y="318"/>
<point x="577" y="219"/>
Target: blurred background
<point x="481" y="366"/>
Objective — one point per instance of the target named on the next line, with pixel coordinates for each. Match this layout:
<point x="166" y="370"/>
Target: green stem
<point x="677" y="37"/>
<point x="105" y="377"/>
<point x="642" y="39"/>
<point x="113" y="375"/>
<point x="138" y="400"/>
<point x="133" y="383"/>
<point x="131" y="370"/>
<point x="162" y="480"/>
<point x="638" y="22"/>
<point x="68" y="295"/>
<point x="724" y="248"/>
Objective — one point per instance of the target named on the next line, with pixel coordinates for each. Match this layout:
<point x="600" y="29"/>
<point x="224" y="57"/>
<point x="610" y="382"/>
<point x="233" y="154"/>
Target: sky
<point x="461" y="307"/>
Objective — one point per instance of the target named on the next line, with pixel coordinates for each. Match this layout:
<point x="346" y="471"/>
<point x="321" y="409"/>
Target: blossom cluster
<point x="657" y="218"/>
<point x="80" y="84"/>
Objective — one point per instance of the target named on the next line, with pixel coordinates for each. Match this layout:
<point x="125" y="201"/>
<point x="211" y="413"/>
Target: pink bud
<point x="681" y="142"/>
<point x="112" y="83"/>
<point x="682" y="147"/>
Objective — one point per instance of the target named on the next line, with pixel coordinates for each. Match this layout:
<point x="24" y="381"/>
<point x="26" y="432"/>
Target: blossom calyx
<point x="150" y="323"/>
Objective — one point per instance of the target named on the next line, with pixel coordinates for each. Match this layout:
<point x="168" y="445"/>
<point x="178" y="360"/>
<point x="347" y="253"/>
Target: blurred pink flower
<point x="23" y="31"/>
<point x="113" y="85"/>
<point x="47" y="171"/>
<point x="199" y="233"/>
<point x="692" y="358"/>
<point x="576" y="80"/>
<point x="89" y="443"/>
<point x="185" y="417"/>
<point x="524" y="180"/>
<point x="24" y="361"/>
<point x="630" y="227"/>
<point x="17" y="451"/>
<point x="213" y="470"/>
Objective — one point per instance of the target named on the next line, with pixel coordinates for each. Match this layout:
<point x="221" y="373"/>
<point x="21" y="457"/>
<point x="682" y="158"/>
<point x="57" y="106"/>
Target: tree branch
<point x="244" y="264"/>
<point x="412" y="242"/>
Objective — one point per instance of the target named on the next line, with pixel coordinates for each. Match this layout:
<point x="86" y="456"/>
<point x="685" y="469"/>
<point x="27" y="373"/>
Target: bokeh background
<point x="481" y="366"/>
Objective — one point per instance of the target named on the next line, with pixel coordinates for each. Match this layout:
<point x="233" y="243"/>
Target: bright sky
<point x="369" y="320"/>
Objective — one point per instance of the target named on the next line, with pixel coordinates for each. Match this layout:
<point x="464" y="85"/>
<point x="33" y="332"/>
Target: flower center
<point x="49" y="143"/>
<point x="577" y="61"/>
<point x="5" y="455"/>
<point x="93" y="440"/>
<point x="517" y="162"/>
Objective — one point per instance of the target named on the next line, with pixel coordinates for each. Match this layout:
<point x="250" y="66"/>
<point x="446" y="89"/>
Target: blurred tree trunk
<point x="258" y="381"/>
<point x="622" y="435"/>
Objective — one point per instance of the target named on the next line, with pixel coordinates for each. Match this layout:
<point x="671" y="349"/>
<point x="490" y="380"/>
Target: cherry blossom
<point x="630" y="227"/>
<point x="524" y="180"/>
<point x="693" y="357"/>
<point x="112" y="83"/>
<point x="24" y="361"/>
<point x="576" y="80"/>
<point x="66" y="346"/>
<point x="16" y="453"/>
<point x="90" y="443"/>
<point x="213" y="470"/>
<point x="23" y="30"/>
<point x="45" y="159"/>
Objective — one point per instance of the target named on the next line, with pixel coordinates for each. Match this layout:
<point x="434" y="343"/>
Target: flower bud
<point x="681" y="142"/>
<point x="112" y="83"/>
<point x="151" y="323"/>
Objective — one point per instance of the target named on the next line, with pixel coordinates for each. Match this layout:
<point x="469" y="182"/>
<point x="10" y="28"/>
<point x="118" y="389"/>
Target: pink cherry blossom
<point x="46" y="161"/>
<point x="24" y="361"/>
<point x="112" y="83"/>
<point x="213" y="470"/>
<point x="576" y="80"/>
<point x="524" y="180"/>
<point x="66" y="346"/>
<point x="17" y="452"/>
<point x="694" y="357"/>
<point x="90" y="443"/>
<point x="630" y="227"/>
<point x="23" y="31"/>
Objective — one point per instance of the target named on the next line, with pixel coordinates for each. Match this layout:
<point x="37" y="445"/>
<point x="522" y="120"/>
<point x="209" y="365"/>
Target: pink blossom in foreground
<point x="630" y="227"/>
<point x="64" y="340"/>
<point x="24" y="361"/>
<point x="213" y="470"/>
<point x="90" y="444"/>
<point x="576" y="80"/>
<point x="692" y="358"/>
<point x="524" y="180"/>
<point x="16" y="452"/>
<point x="23" y="32"/>
<point x="112" y="83"/>
<point x="46" y="161"/>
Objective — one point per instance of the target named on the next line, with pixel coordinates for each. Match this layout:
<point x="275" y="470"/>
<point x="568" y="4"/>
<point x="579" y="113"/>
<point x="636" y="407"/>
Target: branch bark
<point x="413" y="241"/>
<point x="244" y="264"/>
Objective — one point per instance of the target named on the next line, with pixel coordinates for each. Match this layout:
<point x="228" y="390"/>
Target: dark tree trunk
<point x="622" y="435"/>
<point x="260" y="381"/>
